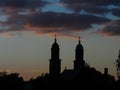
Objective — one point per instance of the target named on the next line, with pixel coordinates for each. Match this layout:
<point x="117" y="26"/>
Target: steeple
<point x="79" y="54"/>
<point x="55" y="62"/>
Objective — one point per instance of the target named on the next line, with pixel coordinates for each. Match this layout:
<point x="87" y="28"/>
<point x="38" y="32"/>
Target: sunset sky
<point x="27" y="29"/>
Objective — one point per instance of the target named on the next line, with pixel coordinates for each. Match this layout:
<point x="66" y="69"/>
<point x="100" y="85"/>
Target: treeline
<point x="89" y="78"/>
<point x="11" y="81"/>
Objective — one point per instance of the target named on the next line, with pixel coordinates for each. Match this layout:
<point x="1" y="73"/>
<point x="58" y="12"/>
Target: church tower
<point x="55" y="62"/>
<point x="79" y="54"/>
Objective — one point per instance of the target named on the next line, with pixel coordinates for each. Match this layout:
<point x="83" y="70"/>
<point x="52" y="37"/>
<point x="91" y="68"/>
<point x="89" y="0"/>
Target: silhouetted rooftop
<point x="69" y="74"/>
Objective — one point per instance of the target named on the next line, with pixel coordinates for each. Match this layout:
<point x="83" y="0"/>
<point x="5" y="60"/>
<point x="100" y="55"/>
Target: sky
<point x="27" y="29"/>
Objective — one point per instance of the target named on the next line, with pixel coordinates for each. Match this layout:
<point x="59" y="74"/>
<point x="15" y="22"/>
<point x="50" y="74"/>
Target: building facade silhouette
<point x="82" y="76"/>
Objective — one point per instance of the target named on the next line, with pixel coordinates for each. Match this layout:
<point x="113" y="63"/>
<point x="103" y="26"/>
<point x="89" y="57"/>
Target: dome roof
<point x="55" y="44"/>
<point x="79" y="46"/>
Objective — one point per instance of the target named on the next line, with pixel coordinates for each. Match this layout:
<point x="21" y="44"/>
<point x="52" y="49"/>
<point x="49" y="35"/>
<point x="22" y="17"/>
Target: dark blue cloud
<point x="116" y="12"/>
<point x="62" y="23"/>
<point x="92" y="6"/>
<point x="50" y="22"/>
<point x="22" y="3"/>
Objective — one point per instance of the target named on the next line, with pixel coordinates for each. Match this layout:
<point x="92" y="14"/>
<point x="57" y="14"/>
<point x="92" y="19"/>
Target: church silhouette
<point x="81" y="74"/>
<point x="55" y="62"/>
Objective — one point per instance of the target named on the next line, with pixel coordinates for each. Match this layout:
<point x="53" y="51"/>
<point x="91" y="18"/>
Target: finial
<point x="79" y="40"/>
<point x="55" y="38"/>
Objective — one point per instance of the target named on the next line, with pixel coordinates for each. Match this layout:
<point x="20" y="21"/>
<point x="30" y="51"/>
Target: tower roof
<point x="55" y="44"/>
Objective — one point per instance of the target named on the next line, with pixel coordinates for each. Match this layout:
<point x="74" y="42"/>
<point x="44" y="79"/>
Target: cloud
<point x="50" y="22"/>
<point x="91" y="6"/>
<point x="13" y="23"/>
<point x="21" y="5"/>
<point x="111" y="29"/>
<point x="116" y="12"/>
<point x="26" y="15"/>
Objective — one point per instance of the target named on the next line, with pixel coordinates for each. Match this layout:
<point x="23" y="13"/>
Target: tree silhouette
<point x="11" y="81"/>
<point x="117" y="63"/>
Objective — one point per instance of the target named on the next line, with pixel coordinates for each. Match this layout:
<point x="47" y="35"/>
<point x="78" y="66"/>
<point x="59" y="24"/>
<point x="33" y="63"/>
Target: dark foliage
<point x="11" y="81"/>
